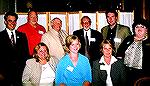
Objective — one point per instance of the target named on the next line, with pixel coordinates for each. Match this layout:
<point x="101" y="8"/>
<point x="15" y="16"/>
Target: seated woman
<point x="73" y="69"/>
<point x="108" y="71"/>
<point x="40" y="70"/>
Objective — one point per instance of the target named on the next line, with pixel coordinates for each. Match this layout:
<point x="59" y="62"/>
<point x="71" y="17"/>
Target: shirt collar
<point x="113" y="59"/>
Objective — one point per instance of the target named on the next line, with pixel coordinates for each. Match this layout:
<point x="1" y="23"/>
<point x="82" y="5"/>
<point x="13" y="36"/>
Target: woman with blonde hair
<point x="40" y="70"/>
<point x="74" y="68"/>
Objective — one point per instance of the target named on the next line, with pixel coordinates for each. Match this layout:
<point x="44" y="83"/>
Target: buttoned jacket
<point x="121" y="33"/>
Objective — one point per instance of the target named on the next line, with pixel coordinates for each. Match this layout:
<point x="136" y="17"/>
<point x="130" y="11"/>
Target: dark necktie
<point x="12" y="39"/>
<point x="86" y="45"/>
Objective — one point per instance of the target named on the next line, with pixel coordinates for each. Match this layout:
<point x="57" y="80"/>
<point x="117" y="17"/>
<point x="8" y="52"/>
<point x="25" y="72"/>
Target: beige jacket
<point x="32" y="72"/>
<point x="51" y="39"/>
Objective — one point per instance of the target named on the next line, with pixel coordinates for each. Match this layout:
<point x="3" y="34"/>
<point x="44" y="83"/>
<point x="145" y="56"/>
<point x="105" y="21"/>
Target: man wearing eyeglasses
<point x="90" y="39"/>
<point x="14" y="52"/>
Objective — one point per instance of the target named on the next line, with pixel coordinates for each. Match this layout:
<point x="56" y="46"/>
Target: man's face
<point x="56" y="24"/>
<point x="11" y="22"/>
<point x="111" y="19"/>
<point x="86" y="23"/>
<point x="32" y="18"/>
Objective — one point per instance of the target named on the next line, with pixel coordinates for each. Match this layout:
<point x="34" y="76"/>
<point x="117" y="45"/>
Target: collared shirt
<point x="107" y="68"/>
<point x="111" y="34"/>
<point x="9" y="33"/>
<point x="33" y="34"/>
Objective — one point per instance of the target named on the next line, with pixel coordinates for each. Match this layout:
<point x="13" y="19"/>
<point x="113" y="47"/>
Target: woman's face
<point x="42" y="52"/>
<point x="140" y="31"/>
<point x="107" y="50"/>
<point x="75" y="46"/>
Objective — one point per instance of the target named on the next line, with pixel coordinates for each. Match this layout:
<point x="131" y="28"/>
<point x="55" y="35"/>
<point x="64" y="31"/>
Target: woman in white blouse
<point x="40" y="70"/>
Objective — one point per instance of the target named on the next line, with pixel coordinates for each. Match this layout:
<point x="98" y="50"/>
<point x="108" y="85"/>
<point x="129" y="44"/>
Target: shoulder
<point x="83" y="57"/>
<point x="95" y="31"/>
<point x="22" y="26"/>
<point x="78" y="31"/>
<point x="48" y="33"/>
<point x="31" y="61"/>
<point x="104" y="27"/>
<point x="53" y="60"/>
<point x="123" y="26"/>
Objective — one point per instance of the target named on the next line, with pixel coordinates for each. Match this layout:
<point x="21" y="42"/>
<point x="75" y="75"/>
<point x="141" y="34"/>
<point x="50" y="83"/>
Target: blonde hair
<point x="105" y="41"/>
<point x="69" y="39"/>
<point x="36" y="48"/>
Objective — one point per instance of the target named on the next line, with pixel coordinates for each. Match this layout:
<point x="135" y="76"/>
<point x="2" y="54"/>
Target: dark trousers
<point x="133" y="75"/>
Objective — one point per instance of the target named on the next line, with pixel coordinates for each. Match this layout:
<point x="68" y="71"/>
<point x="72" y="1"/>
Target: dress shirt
<point x="107" y="68"/>
<point x="9" y="33"/>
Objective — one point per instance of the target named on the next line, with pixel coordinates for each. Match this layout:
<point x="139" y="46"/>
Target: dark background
<point x="141" y="8"/>
<point x="74" y="5"/>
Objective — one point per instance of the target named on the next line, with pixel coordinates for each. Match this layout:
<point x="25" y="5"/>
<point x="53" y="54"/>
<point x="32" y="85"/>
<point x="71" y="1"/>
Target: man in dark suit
<point x="14" y="52"/>
<point x="90" y="39"/>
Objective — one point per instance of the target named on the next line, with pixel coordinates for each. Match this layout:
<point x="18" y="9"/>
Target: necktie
<point x="12" y="39"/>
<point x="86" y="45"/>
<point x="61" y="39"/>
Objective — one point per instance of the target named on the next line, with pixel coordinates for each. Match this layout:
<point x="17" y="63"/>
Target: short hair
<point x="37" y="47"/>
<point x="10" y="14"/>
<point x="55" y="19"/>
<point x="142" y="22"/>
<point x="33" y="11"/>
<point x="111" y="11"/>
<point x="85" y="17"/>
<point x="106" y="41"/>
<point x="69" y="39"/>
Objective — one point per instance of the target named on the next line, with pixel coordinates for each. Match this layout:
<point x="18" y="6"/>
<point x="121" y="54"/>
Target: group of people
<point x="34" y="57"/>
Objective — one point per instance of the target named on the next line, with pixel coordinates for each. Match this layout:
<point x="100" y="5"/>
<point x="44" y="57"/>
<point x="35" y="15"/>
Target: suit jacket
<point x="121" y="33"/>
<point x="117" y="74"/>
<point x="51" y="39"/>
<point x="32" y="72"/>
<point x="145" y="48"/>
<point x="13" y="59"/>
<point x="94" y="48"/>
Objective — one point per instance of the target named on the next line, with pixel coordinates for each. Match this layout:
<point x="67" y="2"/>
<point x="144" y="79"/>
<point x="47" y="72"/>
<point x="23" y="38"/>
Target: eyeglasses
<point x="87" y="22"/>
<point x="11" y="21"/>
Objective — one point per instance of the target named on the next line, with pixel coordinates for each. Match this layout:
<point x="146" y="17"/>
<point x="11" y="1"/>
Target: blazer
<point x="145" y="47"/>
<point x="13" y="59"/>
<point x="94" y="48"/>
<point x="121" y="33"/>
<point x="117" y="74"/>
<point x="32" y="72"/>
<point x="51" y="39"/>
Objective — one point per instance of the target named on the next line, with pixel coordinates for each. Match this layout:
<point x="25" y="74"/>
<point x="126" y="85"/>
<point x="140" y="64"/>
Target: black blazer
<point x="13" y="59"/>
<point x="145" y="47"/>
<point x="117" y="74"/>
<point x="94" y="49"/>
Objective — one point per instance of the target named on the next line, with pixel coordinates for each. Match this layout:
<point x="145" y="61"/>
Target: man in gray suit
<point x="113" y="31"/>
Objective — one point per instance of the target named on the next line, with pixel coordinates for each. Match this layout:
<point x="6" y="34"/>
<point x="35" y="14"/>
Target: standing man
<point x="33" y="30"/>
<point x="114" y="32"/>
<point x="14" y="52"/>
<point x="55" y="39"/>
<point x="89" y="38"/>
